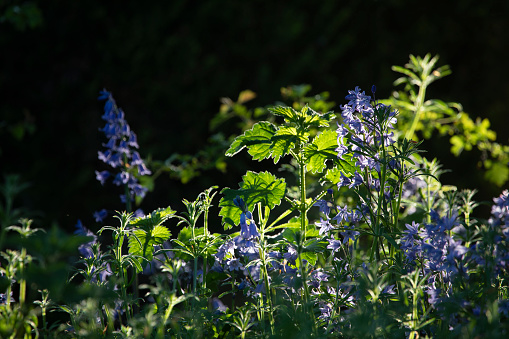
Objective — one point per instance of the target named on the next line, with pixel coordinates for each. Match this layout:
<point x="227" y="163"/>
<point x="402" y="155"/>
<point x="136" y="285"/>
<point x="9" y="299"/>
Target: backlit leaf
<point x="255" y="188"/>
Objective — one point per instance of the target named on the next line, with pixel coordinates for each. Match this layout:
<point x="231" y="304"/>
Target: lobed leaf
<point x="255" y="188"/>
<point x="153" y="219"/>
<point x="321" y="149"/>
<point x="141" y="242"/>
<point x="258" y="141"/>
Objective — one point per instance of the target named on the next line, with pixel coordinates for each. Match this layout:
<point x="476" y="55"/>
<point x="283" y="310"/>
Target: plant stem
<point x="418" y="103"/>
<point x="303" y="207"/>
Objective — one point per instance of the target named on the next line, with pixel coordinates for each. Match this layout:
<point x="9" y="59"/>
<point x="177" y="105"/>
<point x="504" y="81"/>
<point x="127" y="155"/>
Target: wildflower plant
<point x="363" y="241"/>
<point x="120" y="153"/>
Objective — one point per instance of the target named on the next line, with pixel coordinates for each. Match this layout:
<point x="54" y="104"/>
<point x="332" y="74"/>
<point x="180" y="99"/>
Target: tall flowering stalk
<point x="120" y="152"/>
<point x="381" y="166"/>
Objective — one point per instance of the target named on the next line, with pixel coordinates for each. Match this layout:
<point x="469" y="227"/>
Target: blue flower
<point x="349" y="234"/>
<point x="325" y="226"/>
<point x="358" y="100"/>
<point x="102" y="176"/>
<point x="291" y="255"/>
<point x="324" y="206"/>
<point x="248" y="229"/>
<point x="120" y="150"/>
<point x="100" y="215"/>
<point x="334" y="245"/>
<point x="239" y="202"/>
<point x="86" y="248"/>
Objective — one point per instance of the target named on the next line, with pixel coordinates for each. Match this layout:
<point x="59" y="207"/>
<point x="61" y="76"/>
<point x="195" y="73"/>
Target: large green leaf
<point x="321" y="149"/>
<point x="258" y="141"/>
<point x="155" y="218"/>
<point x="284" y="141"/>
<point x="255" y="188"/>
<point x="303" y="119"/>
<point x="265" y="140"/>
<point x="142" y="242"/>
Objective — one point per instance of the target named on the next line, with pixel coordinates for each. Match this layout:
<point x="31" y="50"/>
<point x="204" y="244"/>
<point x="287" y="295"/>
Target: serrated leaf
<point x="310" y="257"/>
<point x="305" y="118"/>
<point x="288" y="113"/>
<point x="255" y="188"/>
<point x="142" y="242"/>
<point x="319" y="120"/>
<point x="321" y="149"/>
<point x="155" y="218"/>
<point x="345" y="166"/>
<point x="283" y="141"/>
<point x="257" y="140"/>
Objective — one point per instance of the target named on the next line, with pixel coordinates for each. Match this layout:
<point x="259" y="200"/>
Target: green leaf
<point x="303" y="119"/>
<point x="255" y="188"/>
<point x="258" y="141"/>
<point x="142" y="242"/>
<point x="283" y="142"/>
<point x="497" y="174"/>
<point x="321" y="149"/>
<point x="155" y="218"/>
<point x="288" y="113"/>
<point x="186" y="233"/>
<point x="345" y="166"/>
<point x="310" y="257"/>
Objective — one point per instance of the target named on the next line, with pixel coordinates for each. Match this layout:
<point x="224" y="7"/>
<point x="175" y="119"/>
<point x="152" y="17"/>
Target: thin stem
<point x="23" y="282"/>
<point x="418" y="103"/>
<point x="303" y="209"/>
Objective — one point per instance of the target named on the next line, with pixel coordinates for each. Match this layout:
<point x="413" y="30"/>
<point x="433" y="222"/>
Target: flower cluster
<point x="233" y="254"/>
<point x="120" y="151"/>
<point x="344" y="222"/>
<point x="364" y="133"/>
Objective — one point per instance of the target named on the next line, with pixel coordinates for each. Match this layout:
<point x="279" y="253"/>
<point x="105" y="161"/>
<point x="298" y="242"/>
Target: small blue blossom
<point x="317" y="277"/>
<point x="291" y="255"/>
<point x="349" y="234"/>
<point x="325" y="206"/>
<point x="324" y="225"/>
<point x="100" y="215"/>
<point x="334" y="245"/>
<point x="86" y="248"/>
<point x="248" y="229"/>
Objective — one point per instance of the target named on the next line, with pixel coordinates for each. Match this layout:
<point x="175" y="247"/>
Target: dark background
<point x="168" y="63"/>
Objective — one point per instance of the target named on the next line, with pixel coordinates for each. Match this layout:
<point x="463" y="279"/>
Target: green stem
<point x="195" y="274"/>
<point x="22" y="283"/>
<point x="303" y="207"/>
<point x="418" y="103"/>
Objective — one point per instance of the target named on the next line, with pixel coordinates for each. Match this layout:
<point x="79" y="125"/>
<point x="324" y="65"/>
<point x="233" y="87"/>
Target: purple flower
<point x="291" y="255"/>
<point x="358" y="100"/>
<point x="233" y="264"/>
<point x="225" y="250"/>
<point x="317" y="276"/>
<point x="349" y="234"/>
<point x="86" y="248"/>
<point x="102" y="176"/>
<point x="120" y="149"/>
<point x="343" y="215"/>
<point x="343" y="180"/>
<point x="334" y="245"/>
<point x="100" y="215"/>
<point x="248" y="229"/>
<point x="324" y="206"/>
<point x="325" y="226"/>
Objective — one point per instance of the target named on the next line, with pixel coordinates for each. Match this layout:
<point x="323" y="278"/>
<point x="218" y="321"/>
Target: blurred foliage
<point x="21" y="14"/>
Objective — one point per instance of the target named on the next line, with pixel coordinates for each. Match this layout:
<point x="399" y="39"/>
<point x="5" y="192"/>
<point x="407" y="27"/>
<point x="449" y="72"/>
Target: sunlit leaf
<point x="255" y="188"/>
